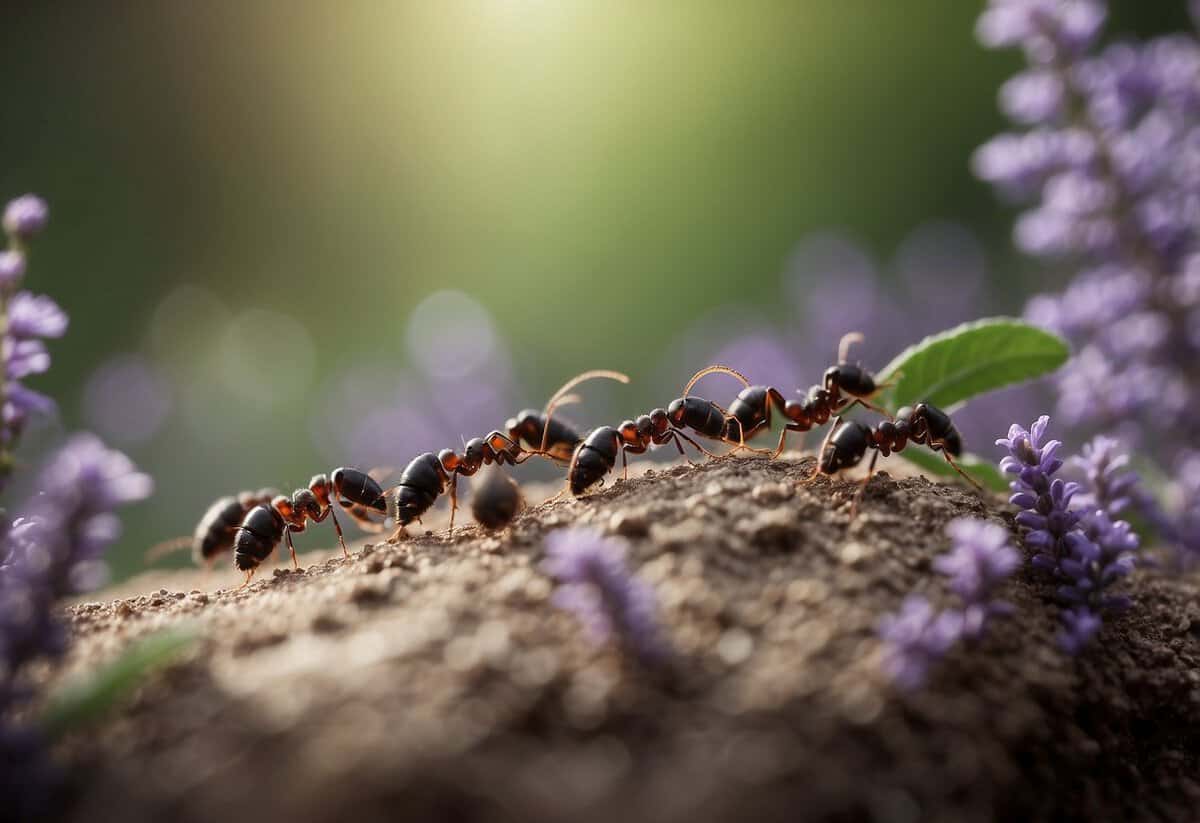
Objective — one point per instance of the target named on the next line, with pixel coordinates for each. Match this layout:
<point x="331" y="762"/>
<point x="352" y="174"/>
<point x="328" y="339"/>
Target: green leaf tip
<point x="968" y="360"/>
<point x="86" y="698"/>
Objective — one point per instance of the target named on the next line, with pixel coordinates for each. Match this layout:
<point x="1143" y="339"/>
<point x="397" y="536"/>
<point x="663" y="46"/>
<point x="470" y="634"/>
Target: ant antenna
<point x="848" y="340"/>
<point x="734" y="373"/>
<point x="561" y="397"/>
<point x="166" y="547"/>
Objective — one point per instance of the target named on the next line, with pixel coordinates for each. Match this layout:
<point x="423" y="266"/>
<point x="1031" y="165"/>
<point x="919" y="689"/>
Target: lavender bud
<point x="26" y="216"/>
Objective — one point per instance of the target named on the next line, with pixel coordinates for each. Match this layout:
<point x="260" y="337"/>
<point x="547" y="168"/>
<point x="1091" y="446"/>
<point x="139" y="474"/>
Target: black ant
<point x="215" y="532"/>
<point x="927" y="425"/>
<point x="843" y="386"/>
<point x="266" y="524"/>
<point x="429" y="475"/>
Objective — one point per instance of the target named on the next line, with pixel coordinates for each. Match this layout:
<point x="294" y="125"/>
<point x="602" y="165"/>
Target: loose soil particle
<point x="433" y="680"/>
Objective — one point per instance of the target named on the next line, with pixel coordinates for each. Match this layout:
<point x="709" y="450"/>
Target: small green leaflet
<point x="88" y="697"/>
<point x="950" y="368"/>
<point x="969" y="360"/>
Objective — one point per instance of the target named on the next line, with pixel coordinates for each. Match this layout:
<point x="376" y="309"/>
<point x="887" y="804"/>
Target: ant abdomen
<point x="530" y="426"/>
<point x="846" y="447"/>
<point x="257" y="536"/>
<point x="702" y="416"/>
<point x="595" y="457"/>
<point x="358" y="488"/>
<point x="421" y="482"/>
<point x="850" y="378"/>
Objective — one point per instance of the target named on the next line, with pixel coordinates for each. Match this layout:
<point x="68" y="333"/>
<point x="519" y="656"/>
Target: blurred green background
<point x="249" y="198"/>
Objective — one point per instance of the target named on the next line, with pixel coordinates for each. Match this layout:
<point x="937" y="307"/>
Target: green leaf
<point x="985" y="472"/>
<point x="969" y="360"/>
<point x="86" y="698"/>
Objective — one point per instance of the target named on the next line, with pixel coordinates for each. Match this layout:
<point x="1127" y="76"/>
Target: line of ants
<point x="253" y="524"/>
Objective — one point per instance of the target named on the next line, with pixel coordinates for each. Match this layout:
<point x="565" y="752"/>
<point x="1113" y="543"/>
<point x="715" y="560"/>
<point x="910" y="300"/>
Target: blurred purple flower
<point x="1111" y="486"/>
<point x="597" y="587"/>
<point x="126" y="400"/>
<point x="53" y="550"/>
<point x="35" y="315"/>
<point x="915" y="639"/>
<point x="25" y="216"/>
<point x="1111" y="172"/>
<point x="12" y="269"/>
<point x="1080" y="625"/>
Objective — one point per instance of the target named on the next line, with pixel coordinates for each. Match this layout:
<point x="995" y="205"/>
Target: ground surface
<point x="433" y="680"/>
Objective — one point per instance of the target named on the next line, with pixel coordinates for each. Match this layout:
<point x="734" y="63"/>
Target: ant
<point x="596" y="456"/>
<point x="925" y="424"/>
<point x="843" y="386"/>
<point x="215" y="532"/>
<point x="429" y="475"/>
<point x="266" y="524"/>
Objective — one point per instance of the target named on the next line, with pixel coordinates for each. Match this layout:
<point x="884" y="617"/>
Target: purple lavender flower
<point x="12" y="270"/>
<point x="1111" y="487"/>
<point x="1045" y="500"/>
<point x="1080" y="544"/>
<point x="916" y="637"/>
<point x="54" y="549"/>
<point x="25" y="216"/>
<point x="1080" y="625"/>
<point x="1110" y="170"/>
<point x="980" y="560"/>
<point x="35" y="315"/>
<point x="597" y="587"/>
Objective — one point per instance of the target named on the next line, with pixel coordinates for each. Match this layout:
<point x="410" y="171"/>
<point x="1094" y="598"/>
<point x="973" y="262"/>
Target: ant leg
<point x="249" y="575"/>
<point x="783" y="440"/>
<point x="958" y="469"/>
<point x="863" y="485"/>
<point x="453" y="502"/>
<point x="624" y="466"/>
<point x="338" y="527"/>
<point x="291" y="547"/>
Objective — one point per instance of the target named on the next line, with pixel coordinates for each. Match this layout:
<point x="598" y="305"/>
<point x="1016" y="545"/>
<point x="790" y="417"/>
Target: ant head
<point x="473" y="452"/>
<point x="307" y="504"/>
<point x="908" y="413"/>
<point x="675" y="411"/>
<point x="629" y="432"/>
<point x="659" y="422"/>
<point x="645" y="426"/>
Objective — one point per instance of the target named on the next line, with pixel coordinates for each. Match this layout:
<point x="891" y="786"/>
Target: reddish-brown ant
<point x="429" y="476"/>
<point x="924" y="424"/>
<point x="265" y="525"/>
<point x="215" y="532"/>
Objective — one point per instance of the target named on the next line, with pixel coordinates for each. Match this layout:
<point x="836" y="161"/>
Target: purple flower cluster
<point x="54" y="549"/>
<point x="1109" y="162"/>
<point x="918" y="636"/>
<point x="26" y="320"/>
<point x="1075" y="537"/>
<point x="595" y="584"/>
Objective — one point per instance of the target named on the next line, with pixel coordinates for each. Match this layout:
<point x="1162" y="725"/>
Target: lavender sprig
<point x="54" y="549"/>
<point x="917" y="637"/>
<point x="1045" y="500"/>
<point x="596" y="585"/>
<point x="1110" y="167"/>
<point x="25" y="320"/>
<point x="1080" y="543"/>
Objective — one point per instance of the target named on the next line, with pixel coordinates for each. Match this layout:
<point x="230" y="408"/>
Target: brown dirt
<point x="433" y="680"/>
